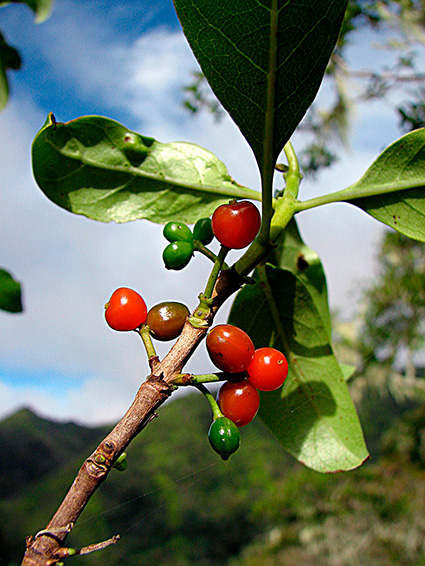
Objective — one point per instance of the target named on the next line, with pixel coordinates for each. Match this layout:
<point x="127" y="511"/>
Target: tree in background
<point x="393" y="330"/>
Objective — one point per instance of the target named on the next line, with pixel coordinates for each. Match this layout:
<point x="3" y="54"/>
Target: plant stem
<point x="268" y="153"/>
<point x="211" y="400"/>
<point x="293" y="175"/>
<point x="354" y="192"/>
<point x="199" y="246"/>
<point x="285" y="208"/>
<point x="184" y="379"/>
<point x="218" y="264"/>
<point x="147" y="341"/>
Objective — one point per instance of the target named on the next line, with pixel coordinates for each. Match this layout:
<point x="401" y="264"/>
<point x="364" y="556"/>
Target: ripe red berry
<point x="236" y="224"/>
<point x="238" y="401"/>
<point x="268" y="370"/>
<point x="125" y="310"/>
<point x="230" y="348"/>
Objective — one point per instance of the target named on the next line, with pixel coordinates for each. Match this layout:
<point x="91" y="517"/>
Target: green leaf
<point x="4" y="87"/>
<point x="393" y="188"/>
<point x="264" y="60"/>
<point x="312" y="415"/>
<point x="96" y="167"/>
<point x="398" y="176"/>
<point x="10" y="293"/>
<point x="9" y="56"/>
<point x="348" y="371"/>
<point x="41" y="8"/>
<point x="295" y="256"/>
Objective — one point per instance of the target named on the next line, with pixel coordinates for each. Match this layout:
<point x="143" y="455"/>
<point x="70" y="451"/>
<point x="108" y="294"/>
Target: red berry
<point x="125" y="310"/>
<point x="239" y="401"/>
<point x="268" y="370"/>
<point x="236" y="224"/>
<point x="230" y="348"/>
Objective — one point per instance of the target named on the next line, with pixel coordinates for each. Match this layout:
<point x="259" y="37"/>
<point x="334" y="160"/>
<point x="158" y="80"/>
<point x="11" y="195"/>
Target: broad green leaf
<point x="96" y="167"/>
<point x="264" y="59"/>
<point x="292" y="254"/>
<point x="393" y="188"/>
<point x="10" y="293"/>
<point x="41" y="8"/>
<point x="295" y="256"/>
<point x="312" y="415"/>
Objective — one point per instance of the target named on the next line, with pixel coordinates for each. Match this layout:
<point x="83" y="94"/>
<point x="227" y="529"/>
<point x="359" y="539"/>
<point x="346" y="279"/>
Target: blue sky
<point x="128" y="61"/>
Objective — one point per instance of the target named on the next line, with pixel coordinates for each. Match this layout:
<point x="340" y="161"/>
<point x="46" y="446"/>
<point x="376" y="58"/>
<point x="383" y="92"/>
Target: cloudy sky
<point x="128" y="61"/>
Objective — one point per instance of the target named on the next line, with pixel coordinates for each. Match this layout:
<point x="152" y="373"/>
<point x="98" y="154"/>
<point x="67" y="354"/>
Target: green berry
<point x="177" y="232"/>
<point x="202" y="231"/>
<point x="177" y="255"/>
<point x="224" y="437"/>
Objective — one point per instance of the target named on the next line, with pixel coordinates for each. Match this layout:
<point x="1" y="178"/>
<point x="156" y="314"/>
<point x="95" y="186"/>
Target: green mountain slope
<point x="177" y="503"/>
<point x="34" y="448"/>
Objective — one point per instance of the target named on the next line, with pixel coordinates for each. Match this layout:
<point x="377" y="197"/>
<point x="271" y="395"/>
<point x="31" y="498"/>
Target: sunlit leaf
<point x="312" y="415"/>
<point x="396" y="185"/>
<point x="96" y="167"/>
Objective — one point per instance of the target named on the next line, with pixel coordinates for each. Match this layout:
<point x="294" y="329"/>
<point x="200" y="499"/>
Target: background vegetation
<point x="179" y="504"/>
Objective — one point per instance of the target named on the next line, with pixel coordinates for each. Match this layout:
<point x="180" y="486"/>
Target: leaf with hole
<point x="393" y="188"/>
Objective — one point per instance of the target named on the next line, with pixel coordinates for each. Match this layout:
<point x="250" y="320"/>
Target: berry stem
<point x="184" y="379"/>
<point x="199" y="246"/>
<point x="147" y="342"/>
<point x="211" y="400"/>
<point x="218" y="266"/>
<point x="203" y="310"/>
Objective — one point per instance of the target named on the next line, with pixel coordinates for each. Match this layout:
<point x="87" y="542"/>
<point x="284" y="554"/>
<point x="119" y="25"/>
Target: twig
<point x="44" y="549"/>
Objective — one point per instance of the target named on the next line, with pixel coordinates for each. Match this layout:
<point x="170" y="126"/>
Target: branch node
<point x="56" y="533"/>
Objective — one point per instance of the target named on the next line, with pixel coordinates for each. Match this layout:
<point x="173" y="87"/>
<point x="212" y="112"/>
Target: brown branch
<point x="45" y="548"/>
<point x="391" y="76"/>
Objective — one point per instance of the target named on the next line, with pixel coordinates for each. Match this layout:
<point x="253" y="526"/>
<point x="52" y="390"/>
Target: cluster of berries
<point x="234" y="225"/>
<point x="264" y="369"/>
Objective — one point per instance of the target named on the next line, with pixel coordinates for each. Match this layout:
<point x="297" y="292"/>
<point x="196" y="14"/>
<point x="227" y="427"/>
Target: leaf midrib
<point x="232" y="190"/>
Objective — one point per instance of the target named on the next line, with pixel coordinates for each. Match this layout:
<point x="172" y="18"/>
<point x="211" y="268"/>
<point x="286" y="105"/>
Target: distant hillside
<point x="34" y="448"/>
<point x="179" y="504"/>
<point x="177" y="495"/>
